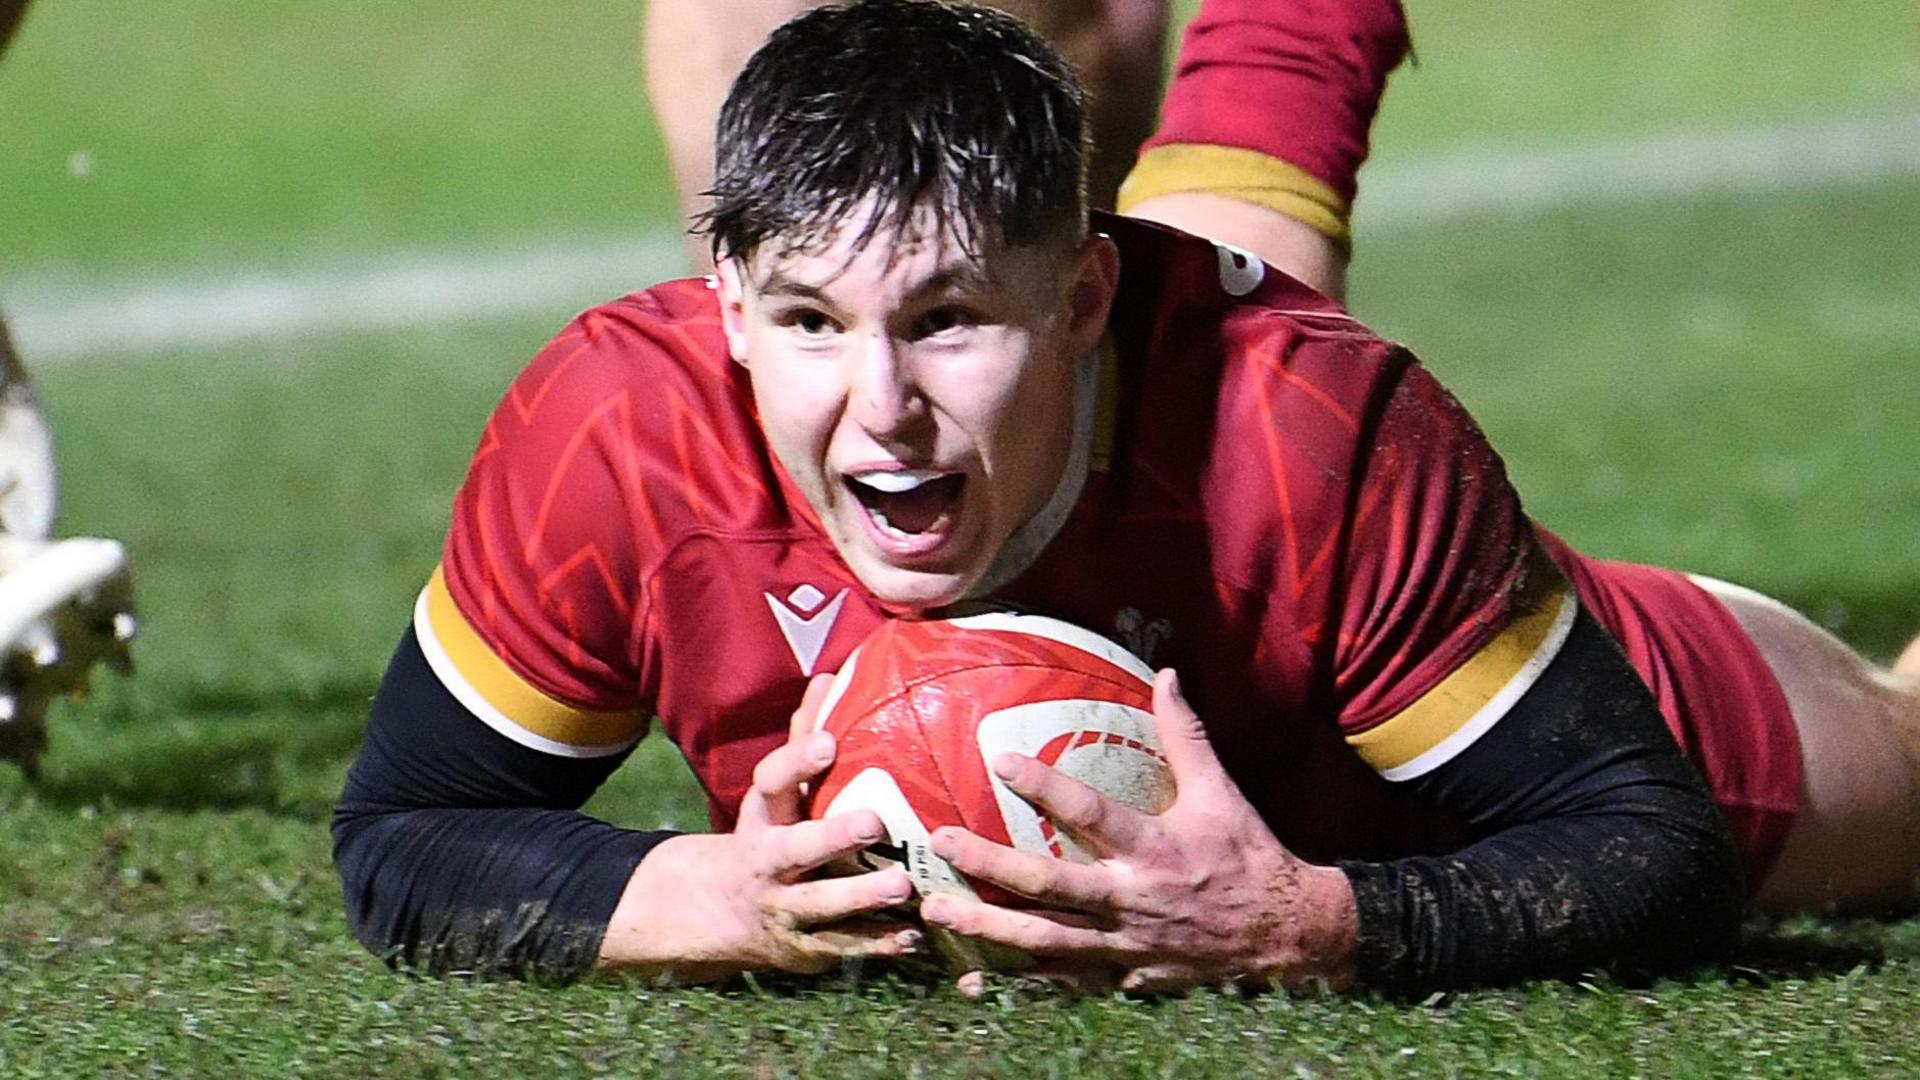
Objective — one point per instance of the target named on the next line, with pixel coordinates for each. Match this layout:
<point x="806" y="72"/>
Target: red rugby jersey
<point x="1286" y="508"/>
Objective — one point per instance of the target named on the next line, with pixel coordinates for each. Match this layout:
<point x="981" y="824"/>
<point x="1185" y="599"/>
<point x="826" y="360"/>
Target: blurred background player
<point x="693" y="48"/>
<point x="1332" y="58"/>
<point x="64" y="605"/>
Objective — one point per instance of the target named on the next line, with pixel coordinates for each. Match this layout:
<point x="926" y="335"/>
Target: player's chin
<point x="919" y="575"/>
<point x="921" y="584"/>
<point x="915" y="588"/>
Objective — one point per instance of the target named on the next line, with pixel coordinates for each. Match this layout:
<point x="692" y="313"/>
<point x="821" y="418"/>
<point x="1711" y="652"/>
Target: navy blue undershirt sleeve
<point x="460" y="850"/>
<point x="1596" y="845"/>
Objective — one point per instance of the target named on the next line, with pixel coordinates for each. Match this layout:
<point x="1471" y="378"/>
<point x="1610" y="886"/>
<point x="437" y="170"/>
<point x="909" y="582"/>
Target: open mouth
<point x="908" y="505"/>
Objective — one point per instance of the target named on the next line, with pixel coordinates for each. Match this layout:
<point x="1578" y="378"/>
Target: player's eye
<point x="808" y="322"/>
<point x="947" y="320"/>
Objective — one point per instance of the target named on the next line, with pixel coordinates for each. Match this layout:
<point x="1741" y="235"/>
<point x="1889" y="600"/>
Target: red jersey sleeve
<point x="536" y="618"/>
<point x="1271" y="102"/>
<point x="1448" y="609"/>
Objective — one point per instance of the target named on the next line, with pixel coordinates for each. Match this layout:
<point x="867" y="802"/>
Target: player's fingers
<point x="787" y="766"/>
<point x="1051" y="881"/>
<point x="1190" y="755"/>
<point x="1108" y="826"/>
<point x="788" y="851"/>
<point x="829" y="900"/>
<point x="753" y="814"/>
<point x="819" y="950"/>
<point x="869" y="940"/>
<point x="780" y="777"/>
<point x="1040" y="933"/>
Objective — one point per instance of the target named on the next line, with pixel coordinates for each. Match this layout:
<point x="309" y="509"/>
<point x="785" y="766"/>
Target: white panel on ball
<point x="1131" y="771"/>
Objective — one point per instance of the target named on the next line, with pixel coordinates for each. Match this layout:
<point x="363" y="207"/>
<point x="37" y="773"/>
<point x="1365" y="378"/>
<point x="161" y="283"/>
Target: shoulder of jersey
<point x="649" y="372"/>
<point x="1166" y="267"/>
<point x="652" y="345"/>
<point x="678" y="320"/>
<point x="1167" y="274"/>
<point x="1227" y="349"/>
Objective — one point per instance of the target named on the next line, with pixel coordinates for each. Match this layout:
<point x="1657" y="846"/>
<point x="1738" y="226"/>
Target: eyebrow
<point x="779" y="284"/>
<point x="962" y="276"/>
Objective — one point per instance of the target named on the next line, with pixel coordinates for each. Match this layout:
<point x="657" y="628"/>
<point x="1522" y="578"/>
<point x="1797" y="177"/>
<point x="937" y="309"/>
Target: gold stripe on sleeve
<point x="1238" y="173"/>
<point x="1468" y="702"/>
<point x="498" y="695"/>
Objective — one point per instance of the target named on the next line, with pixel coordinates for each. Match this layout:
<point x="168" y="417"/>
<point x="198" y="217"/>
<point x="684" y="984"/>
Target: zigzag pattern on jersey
<point x="1370" y="466"/>
<point x="616" y="415"/>
<point x="1291" y="424"/>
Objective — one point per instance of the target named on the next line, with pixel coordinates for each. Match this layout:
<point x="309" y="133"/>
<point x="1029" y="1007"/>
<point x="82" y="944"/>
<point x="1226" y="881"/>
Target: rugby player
<point x="64" y="605"/>
<point x="1418" y="740"/>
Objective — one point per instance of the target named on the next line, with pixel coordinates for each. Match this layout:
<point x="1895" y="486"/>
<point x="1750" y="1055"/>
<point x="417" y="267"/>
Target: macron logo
<point x="805" y="621"/>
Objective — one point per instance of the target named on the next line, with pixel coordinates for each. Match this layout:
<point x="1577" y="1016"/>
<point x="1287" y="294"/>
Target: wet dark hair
<point x="909" y="102"/>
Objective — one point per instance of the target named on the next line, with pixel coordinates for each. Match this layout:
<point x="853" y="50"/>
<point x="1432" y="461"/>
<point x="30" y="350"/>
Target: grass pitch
<point x="1721" y="383"/>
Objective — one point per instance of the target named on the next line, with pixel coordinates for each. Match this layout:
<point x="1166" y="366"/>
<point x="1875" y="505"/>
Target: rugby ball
<point x="923" y="706"/>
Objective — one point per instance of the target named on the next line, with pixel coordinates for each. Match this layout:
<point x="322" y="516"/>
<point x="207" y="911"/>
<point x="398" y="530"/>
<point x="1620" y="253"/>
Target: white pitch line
<point x="1664" y="167"/>
<point x="69" y="318"/>
<point x="56" y="319"/>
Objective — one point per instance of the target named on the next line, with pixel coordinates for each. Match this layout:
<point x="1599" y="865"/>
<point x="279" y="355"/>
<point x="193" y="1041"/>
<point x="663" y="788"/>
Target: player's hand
<point x="1202" y="894"/>
<point x="702" y="907"/>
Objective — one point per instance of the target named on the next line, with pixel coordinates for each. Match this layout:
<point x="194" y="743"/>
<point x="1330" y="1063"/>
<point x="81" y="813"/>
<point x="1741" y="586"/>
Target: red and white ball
<point x="922" y="707"/>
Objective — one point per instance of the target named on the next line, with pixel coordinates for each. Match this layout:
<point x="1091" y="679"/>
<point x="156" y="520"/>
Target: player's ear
<point x="1096" y="275"/>
<point x="730" y="276"/>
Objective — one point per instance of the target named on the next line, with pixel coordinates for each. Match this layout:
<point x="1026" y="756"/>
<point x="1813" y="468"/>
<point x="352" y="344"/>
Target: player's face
<point x="920" y="397"/>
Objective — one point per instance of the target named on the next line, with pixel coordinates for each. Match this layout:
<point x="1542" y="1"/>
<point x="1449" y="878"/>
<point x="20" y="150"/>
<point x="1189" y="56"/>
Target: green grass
<point x="1494" y="71"/>
<point x="255" y="1007"/>
<point x="271" y="132"/>
<point x="1722" y="384"/>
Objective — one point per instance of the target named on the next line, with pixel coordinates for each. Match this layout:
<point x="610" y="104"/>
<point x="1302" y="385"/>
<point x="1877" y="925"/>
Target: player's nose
<point x="883" y="396"/>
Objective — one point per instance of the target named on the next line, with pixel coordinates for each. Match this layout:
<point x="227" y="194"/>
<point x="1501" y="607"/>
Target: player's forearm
<point x="518" y="892"/>
<point x="1620" y="893"/>
<point x="460" y="850"/>
<point x="1599" y="846"/>
<point x="659" y="927"/>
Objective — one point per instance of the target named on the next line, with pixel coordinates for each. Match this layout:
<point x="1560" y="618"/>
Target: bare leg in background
<point x="1855" y="846"/>
<point x="693" y="48"/>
